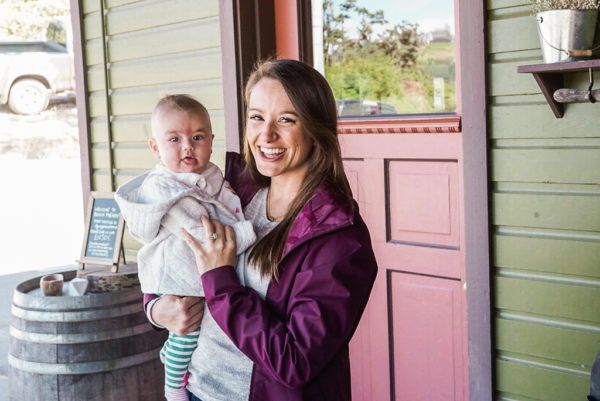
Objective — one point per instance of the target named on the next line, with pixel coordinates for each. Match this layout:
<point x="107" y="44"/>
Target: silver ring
<point x="213" y="236"/>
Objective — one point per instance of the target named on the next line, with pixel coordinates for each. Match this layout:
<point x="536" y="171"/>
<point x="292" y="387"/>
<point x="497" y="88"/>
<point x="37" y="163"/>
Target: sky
<point x="430" y="14"/>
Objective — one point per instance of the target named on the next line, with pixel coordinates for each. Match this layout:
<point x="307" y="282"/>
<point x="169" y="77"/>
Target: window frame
<point x="294" y="23"/>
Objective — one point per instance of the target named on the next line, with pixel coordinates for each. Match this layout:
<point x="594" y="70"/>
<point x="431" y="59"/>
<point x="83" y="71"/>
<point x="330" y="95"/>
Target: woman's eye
<point x="287" y="120"/>
<point x="255" y="117"/>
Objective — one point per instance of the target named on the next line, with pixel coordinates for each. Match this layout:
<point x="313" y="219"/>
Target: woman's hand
<point x="217" y="250"/>
<point x="180" y="315"/>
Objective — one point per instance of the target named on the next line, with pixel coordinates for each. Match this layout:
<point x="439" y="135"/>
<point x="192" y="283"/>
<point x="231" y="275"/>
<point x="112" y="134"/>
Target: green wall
<point x="545" y="208"/>
<point x="544" y="172"/>
<point x="153" y="48"/>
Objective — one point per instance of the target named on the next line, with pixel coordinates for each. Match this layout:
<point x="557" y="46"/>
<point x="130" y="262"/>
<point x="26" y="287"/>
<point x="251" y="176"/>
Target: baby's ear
<point x="154" y="147"/>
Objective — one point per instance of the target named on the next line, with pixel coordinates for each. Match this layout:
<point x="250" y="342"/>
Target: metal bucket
<point x="566" y="35"/>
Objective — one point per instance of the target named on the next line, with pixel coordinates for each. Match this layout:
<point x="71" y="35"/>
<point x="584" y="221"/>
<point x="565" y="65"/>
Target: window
<point x="386" y="57"/>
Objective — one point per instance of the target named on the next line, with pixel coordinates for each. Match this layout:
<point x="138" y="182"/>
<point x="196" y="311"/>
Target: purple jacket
<point x="298" y="336"/>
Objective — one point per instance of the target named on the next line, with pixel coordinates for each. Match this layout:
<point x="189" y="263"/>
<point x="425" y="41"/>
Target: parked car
<point x="31" y="71"/>
<point x="353" y="107"/>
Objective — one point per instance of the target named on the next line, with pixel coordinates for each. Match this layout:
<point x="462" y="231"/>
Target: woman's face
<point x="274" y="133"/>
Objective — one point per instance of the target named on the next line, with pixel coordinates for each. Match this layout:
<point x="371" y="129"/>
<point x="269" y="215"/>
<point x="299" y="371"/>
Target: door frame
<point x="472" y="109"/>
<point x="471" y="65"/>
<point x="471" y="80"/>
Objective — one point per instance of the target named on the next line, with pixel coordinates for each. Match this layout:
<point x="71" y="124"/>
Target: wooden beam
<point x="471" y="105"/>
<point x="81" y="99"/>
<point x="247" y="35"/>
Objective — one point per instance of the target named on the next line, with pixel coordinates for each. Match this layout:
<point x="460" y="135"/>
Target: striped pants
<point x="176" y="354"/>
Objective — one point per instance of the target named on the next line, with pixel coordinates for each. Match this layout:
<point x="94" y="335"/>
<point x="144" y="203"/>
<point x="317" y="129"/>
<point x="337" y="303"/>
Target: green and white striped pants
<point x="176" y="354"/>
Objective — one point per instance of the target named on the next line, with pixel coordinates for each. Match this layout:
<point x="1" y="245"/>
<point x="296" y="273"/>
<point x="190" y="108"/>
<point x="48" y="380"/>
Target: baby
<point x="184" y="186"/>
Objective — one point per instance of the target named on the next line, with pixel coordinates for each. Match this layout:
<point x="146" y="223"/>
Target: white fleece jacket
<point x="156" y="204"/>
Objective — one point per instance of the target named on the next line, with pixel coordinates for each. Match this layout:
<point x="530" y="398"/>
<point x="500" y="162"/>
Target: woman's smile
<point x="271" y="154"/>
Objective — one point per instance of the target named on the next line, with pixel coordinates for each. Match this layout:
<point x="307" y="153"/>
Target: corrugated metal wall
<point x="545" y="176"/>
<point x="153" y="48"/>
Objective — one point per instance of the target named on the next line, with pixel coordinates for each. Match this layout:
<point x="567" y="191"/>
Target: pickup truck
<point x="32" y="71"/>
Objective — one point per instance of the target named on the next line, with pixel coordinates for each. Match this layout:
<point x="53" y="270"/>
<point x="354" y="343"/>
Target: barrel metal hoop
<point x="83" y="367"/>
<point x="96" y="314"/>
<point x="78" y="338"/>
<point x="27" y="301"/>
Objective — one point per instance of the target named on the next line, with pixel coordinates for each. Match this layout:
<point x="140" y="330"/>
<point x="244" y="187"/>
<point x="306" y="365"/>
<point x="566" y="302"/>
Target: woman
<point x="279" y="326"/>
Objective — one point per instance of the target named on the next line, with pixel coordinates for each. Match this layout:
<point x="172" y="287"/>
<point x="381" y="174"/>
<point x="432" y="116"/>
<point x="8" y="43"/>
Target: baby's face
<point x="181" y="140"/>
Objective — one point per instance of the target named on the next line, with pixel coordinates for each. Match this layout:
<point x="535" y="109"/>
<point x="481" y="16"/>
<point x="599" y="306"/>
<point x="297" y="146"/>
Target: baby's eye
<point x="174" y="139"/>
<point x="197" y="137"/>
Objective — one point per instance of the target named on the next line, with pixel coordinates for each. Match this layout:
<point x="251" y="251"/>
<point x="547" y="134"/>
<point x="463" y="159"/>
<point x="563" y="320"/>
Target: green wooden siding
<point x="545" y="182"/>
<point x="153" y="48"/>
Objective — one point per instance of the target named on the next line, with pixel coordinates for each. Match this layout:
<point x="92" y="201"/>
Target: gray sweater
<point x="219" y="371"/>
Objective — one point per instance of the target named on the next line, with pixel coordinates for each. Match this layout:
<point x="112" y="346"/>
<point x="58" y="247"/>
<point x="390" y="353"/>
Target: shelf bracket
<point x="549" y="82"/>
<point x="550" y="77"/>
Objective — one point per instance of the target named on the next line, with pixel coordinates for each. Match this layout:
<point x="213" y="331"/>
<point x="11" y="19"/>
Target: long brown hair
<point x="313" y="100"/>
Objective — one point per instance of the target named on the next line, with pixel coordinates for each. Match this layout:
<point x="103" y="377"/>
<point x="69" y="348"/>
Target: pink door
<point x="407" y="176"/>
<point x="411" y="343"/>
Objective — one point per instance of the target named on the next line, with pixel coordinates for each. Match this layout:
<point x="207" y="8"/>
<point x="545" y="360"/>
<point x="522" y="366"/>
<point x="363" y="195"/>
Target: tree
<point x="367" y="20"/>
<point x="28" y="19"/>
<point x="333" y="32"/>
<point x="402" y="43"/>
<point x="335" y="14"/>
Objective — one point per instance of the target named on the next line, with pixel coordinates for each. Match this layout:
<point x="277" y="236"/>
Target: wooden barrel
<point x="91" y="347"/>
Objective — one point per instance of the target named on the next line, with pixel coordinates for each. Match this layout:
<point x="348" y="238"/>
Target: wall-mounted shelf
<point x="550" y="77"/>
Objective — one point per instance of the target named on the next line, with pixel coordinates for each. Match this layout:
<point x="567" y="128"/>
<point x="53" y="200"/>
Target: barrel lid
<point x="22" y="296"/>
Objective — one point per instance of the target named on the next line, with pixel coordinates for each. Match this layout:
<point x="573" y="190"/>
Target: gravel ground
<point x="52" y="134"/>
<point x="41" y="204"/>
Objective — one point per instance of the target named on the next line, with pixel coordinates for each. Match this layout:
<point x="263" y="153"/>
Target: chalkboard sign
<point x="103" y="231"/>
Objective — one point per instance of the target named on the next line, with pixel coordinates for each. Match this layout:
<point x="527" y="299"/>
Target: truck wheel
<point x="28" y="96"/>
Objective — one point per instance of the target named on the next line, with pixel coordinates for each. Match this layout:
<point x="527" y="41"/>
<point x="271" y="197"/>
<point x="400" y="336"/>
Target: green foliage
<point x="547" y="5"/>
<point x="28" y="19"/>
<point x="364" y="78"/>
<point x="397" y="67"/>
<point x="402" y="43"/>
